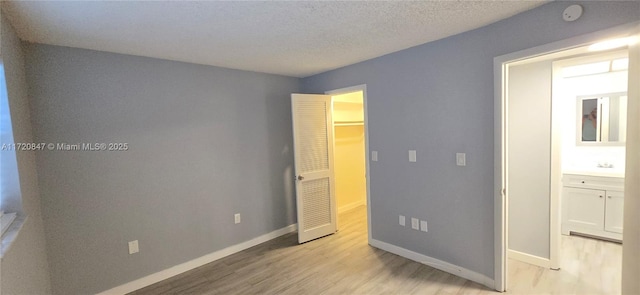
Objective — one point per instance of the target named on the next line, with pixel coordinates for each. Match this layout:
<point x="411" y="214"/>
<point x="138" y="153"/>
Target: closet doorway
<point x="350" y="149"/>
<point x="316" y="136"/>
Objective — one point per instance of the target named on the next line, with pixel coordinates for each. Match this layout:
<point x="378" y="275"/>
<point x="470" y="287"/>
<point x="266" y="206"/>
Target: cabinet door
<point x="613" y="211"/>
<point x="584" y="208"/>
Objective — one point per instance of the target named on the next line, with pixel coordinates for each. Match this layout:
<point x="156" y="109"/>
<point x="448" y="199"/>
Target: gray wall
<point x="529" y="158"/>
<point x="204" y="143"/>
<point x="437" y="98"/>
<point x="24" y="266"/>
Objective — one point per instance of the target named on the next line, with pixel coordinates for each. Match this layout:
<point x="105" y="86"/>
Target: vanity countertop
<point x="600" y="172"/>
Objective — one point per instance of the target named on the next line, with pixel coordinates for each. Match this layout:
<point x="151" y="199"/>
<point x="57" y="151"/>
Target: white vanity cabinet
<point x="613" y="212"/>
<point x="592" y="205"/>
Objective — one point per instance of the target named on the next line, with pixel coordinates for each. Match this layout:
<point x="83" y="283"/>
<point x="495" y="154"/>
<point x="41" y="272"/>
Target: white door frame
<point x="363" y="88"/>
<point x="631" y="246"/>
<point x="500" y="129"/>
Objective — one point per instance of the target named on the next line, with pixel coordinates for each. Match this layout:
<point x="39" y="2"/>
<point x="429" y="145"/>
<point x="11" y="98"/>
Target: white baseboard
<point x="351" y="206"/>
<point x="189" y="265"/>
<point x="528" y="258"/>
<point x="435" y="263"/>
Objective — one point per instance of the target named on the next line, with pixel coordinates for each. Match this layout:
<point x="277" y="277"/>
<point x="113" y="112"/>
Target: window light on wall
<point x="10" y="195"/>
<point x="600" y="67"/>
<point x="620" y="64"/>
<point x="614" y="43"/>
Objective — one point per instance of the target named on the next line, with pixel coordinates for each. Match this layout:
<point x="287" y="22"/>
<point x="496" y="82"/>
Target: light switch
<point x="412" y="156"/>
<point x="133" y="247"/>
<point x="461" y="159"/>
<point x="401" y="220"/>
<point x="374" y="156"/>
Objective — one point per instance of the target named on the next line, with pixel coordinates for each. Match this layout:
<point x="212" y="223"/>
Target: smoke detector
<point x="572" y="13"/>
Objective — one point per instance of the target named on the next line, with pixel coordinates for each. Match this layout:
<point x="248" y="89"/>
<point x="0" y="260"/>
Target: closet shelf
<point x="348" y="123"/>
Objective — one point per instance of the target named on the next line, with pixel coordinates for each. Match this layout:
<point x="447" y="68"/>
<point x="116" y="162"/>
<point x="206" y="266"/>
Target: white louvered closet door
<point x="313" y="154"/>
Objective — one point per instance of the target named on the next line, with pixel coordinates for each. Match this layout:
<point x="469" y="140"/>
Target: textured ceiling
<point x="298" y="38"/>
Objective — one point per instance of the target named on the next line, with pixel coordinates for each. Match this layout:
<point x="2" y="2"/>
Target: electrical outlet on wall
<point x="236" y="218"/>
<point x="415" y="223"/>
<point x="401" y="220"/>
<point x="423" y="225"/>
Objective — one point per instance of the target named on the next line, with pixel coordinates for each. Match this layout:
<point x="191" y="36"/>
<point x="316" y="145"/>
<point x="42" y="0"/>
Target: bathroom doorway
<point x="559" y="174"/>
<point x="539" y="162"/>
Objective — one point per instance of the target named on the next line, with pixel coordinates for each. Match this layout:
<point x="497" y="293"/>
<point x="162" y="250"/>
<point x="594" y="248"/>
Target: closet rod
<point x="349" y="123"/>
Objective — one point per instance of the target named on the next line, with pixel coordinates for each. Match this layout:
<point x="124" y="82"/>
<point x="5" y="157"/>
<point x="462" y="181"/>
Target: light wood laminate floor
<point x="344" y="263"/>
<point x="587" y="266"/>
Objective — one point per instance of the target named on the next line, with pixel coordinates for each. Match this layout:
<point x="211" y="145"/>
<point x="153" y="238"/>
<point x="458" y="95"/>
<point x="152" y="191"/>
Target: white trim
<point x="350" y="206"/>
<point x="5" y="221"/>
<point x="499" y="156"/>
<point x="189" y="265"/>
<point x="435" y="263"/>
<point x="631" y="245"/>
<point x="363" y="88"/>
<point x="11" y="235"/>
<point x="555" y="172"/>
<point x="500" y="224"/>
<point x="528" y="258"/>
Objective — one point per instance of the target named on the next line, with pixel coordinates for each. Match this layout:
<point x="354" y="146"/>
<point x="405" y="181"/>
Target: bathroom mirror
<point x="602" y="119"/>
